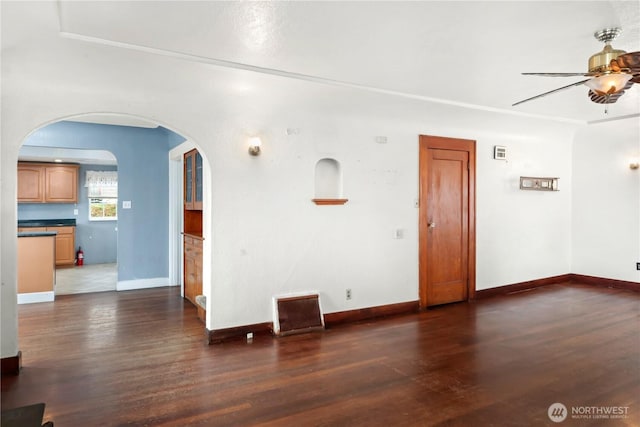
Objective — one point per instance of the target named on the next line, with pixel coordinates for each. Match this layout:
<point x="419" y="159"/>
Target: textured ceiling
<point x="452" y="52"/>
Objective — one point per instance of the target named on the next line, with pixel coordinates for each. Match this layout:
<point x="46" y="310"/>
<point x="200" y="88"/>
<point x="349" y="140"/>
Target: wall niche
<point x="328" y="183"/>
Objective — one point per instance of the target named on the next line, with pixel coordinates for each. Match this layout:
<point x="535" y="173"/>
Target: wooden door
<point x="447" y="220"/>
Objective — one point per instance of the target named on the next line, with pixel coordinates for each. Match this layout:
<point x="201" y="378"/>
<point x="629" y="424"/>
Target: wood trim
<point x="607" y="283"/>
<point x="522" y="286"/>
<point x="443" y="143"/>
<point x="11" y="365"/>
<point x="564" y="278"/>
<point x="349" y="316"/>
<point x="322" y="202"/>
<point x="218" y="336"/>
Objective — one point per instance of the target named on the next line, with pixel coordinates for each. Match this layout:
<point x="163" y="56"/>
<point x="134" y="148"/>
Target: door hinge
<point x="468" y="166"/>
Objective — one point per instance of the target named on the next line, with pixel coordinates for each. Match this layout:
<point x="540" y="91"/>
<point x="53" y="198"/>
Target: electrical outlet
<point x="348" y="293"/>
<point x="637" y="265"/>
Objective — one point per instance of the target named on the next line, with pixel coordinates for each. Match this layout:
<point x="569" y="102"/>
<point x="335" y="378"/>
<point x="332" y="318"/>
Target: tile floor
<point x="85" y="279"/>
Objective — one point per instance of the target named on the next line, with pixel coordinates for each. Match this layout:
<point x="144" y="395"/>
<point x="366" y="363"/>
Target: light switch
<point x="126" y="204"/>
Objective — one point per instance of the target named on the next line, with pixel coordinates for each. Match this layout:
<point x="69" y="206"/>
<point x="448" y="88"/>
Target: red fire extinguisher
<point x="79" y="257"/>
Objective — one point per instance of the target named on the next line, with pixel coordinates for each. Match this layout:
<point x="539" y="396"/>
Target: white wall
<point x="606" y="201"/>
<point x="264" y="236"/>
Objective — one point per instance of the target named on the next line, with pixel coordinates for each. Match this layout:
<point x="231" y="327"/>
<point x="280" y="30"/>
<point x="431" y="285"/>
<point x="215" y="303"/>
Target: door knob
<point x="431" y="225"/>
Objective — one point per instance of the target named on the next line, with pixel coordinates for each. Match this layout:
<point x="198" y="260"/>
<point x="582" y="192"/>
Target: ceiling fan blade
<point x="550" y="92"/>
<point x="558" y="74"/>
<point x="629" y="60"/>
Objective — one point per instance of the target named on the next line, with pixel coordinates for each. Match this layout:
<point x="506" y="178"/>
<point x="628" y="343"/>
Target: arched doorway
<point x="149" y="250"/>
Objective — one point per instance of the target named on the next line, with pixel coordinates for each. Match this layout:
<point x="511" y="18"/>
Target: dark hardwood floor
<point x="139" y="358"/>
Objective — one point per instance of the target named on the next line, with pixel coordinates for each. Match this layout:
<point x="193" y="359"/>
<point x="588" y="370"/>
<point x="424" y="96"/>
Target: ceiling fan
<point x="611" y="72"/>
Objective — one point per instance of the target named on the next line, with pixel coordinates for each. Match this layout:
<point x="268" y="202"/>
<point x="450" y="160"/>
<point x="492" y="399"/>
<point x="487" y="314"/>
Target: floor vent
<point x="298" y="314"/>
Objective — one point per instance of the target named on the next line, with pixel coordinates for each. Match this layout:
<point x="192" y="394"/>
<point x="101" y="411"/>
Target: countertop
<point x="46" y="223"/>
<point x="37" y="234"/>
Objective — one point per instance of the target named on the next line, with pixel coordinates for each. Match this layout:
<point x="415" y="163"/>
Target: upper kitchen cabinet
<point x="193" y="180"/>
<point x="47" y="183"/>
<point x="30" y="183"/>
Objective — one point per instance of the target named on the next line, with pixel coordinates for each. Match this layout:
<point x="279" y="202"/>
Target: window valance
<point x="102" y="183"/>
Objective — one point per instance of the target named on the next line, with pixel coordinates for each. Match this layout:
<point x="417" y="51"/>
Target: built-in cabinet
<point x="193" y="180"/>
<point x="47" y="183"/>
<point x="192" y="220"/>
<point x="65" y="242"/>
<point x="192" y="267"/>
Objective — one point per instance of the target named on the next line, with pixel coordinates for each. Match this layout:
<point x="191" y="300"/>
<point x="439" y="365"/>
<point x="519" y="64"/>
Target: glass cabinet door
<point x="188" y="181"/>
<point x="198" y="182"/>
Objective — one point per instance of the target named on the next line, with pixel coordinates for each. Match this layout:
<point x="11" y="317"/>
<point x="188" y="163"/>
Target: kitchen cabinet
<point x="192" y="267"/>
<point x="193" y="180"/>
<point x="64" y="242"/>
<point x="65" y="245"/>
<point x="36" y="272"/>
<point x="47" y="183"/>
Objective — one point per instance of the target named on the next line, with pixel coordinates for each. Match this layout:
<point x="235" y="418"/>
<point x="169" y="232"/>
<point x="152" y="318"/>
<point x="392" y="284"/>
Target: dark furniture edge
<point x="11" y="365"/>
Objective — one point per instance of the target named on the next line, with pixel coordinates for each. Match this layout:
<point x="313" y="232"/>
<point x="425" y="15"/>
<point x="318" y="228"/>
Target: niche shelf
<point x="329" y="201"/>
<point x="328" y="183"/>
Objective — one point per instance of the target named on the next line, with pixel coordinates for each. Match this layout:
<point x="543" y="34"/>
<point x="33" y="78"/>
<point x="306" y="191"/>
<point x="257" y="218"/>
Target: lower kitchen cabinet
<point x="65" y="245"/>
<point x="192" y="268"/>
<point x="65" y="242"/>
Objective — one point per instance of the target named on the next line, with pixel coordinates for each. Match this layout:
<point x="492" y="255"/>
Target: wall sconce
<point x="634" y="163"/>
<point x="254" y="145"/>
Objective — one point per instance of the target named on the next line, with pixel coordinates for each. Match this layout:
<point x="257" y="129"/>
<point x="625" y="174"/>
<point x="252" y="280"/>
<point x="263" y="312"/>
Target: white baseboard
<point x="32" y="297"/>
<point x="130" y="285"/>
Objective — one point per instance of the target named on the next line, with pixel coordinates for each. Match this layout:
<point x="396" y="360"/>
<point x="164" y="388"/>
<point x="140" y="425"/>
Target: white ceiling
<point x="455" y="52"/>
<point x="66" y="155"/>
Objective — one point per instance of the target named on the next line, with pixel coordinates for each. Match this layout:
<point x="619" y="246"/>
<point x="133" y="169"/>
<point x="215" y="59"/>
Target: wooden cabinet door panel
<point x="30" y="183"/>
<point x="192" y="268"/>
<point x="61" y="184"/>
<point x="65" y="245"/>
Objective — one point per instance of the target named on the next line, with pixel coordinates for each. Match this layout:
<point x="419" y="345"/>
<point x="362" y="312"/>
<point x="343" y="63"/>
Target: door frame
<point x="427" y="142"/>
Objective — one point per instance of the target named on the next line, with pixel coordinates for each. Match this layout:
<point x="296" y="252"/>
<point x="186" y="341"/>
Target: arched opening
<point x="148" y="249"/>
<point x="328" y="179"/>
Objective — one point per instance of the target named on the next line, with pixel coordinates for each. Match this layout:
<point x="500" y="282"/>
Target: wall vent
<point x="297" y="314"/>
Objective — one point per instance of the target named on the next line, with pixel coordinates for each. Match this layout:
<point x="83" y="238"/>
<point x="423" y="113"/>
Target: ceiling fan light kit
<point x="611" y="71"/>
<point x="608" y="84"/>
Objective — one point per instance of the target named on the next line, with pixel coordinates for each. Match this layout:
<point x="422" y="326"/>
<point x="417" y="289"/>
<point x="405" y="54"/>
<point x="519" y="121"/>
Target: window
<point x="103" y="209"/>
<point x="102" y="190"/>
